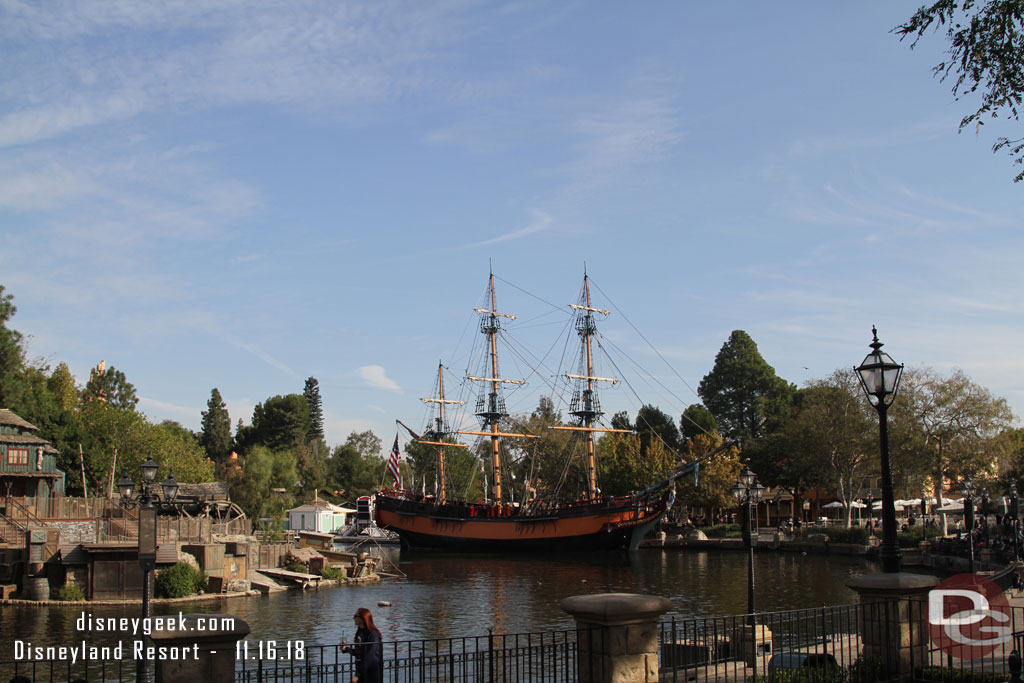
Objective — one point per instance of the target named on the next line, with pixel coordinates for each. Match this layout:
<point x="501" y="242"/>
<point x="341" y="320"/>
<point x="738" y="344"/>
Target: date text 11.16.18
<point x="270" y="650"/>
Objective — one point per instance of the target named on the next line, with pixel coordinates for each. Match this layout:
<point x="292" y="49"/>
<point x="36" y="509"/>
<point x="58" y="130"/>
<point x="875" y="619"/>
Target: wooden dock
<point x="303" y="580"/>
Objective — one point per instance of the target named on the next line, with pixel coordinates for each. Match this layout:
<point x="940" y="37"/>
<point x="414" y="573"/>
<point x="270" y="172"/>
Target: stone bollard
<point x="893" y="616"/>
<point x="192" y="655"/>
<point x="616" y="636"/>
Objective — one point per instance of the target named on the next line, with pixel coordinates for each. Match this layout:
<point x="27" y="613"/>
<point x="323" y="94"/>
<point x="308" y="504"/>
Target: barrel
<point x="36" y="588"/>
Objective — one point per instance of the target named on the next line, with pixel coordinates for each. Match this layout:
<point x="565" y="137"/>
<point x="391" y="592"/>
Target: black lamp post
<point x="968" y="491"/>
<point x="1013" y="518"/>
<point x="984" y="514"/>
<point x="148" y="501"/>
<point x="879" y="376"/>
<point x="748" y="491"/>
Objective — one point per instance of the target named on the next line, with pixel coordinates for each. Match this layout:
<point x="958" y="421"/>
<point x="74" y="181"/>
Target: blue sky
<point x="245" y="194"/>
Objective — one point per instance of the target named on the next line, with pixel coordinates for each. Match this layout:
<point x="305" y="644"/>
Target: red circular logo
<point x="968" y="616"/>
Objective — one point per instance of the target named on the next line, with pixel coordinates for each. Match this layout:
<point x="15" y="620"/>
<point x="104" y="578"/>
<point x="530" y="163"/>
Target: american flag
<point x="396" y="455"/>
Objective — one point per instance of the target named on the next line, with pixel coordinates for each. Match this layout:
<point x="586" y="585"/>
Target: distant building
<point x="319" y="516"/>
<point x="28" y="463"/>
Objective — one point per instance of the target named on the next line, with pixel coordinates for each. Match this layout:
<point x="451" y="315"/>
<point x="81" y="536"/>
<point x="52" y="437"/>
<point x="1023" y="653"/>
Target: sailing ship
<point x="592" y="521"/>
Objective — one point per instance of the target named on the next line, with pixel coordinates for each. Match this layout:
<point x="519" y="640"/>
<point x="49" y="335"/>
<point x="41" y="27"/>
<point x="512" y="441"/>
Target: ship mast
<point x="491" y="409"/>
<point x="585" y="404"/>
<point x="441" y="430"/>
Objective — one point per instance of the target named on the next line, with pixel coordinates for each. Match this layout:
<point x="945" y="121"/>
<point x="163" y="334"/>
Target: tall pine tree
<point x="316" y="411"/>
<point x="216" y="437"/>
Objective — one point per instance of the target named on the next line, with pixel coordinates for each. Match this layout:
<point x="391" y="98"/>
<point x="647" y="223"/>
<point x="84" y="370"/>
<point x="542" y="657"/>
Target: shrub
<point x="71" y="592"/>
<point x="840" y="534"/>
<point x="723" y="531"/>
<point x="297" y="566"/>
<point x="329" y="572"/>
<point x="177" y="581"/>
<point x="200" y="581"/>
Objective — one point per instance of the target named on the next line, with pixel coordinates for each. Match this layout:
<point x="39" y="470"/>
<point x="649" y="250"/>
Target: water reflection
<point x="444" y="595"/>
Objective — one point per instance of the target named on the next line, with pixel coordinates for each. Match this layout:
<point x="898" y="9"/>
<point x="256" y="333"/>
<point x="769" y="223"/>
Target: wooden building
<point x="28" y="463"/>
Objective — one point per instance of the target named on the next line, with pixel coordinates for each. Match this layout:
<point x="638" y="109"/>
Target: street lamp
<point x="748" y="491"/>
<point x="924" y="515"/>
<point x="148" y="501"/>
<point x="984" y="514"/>
<point x="1013" y="517"/>
<point x="968" y="490"/>
<point x="879" y="376"/>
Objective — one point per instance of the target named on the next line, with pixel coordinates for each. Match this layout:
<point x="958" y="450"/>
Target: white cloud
<point x="377" y="377"/>
<point x="540" y="222"/>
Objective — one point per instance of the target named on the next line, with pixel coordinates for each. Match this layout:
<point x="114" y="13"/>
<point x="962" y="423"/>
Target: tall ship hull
<point x="614" y="524"/>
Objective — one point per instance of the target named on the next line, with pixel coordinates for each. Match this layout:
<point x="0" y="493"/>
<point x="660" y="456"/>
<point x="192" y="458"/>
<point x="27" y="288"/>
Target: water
<point x="446" y="595"/>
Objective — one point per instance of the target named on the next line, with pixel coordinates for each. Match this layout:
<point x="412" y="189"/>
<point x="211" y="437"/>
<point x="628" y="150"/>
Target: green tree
<point x="12" y="353"/>
<point x="113" y="387"/>
<point x="624" y="466"/>
<point x="653" y="424"/>
<point x="948" y="427"/>
<point x="715" y="476"/>
<point x="367" y="444"/>
<point x="280" y="423"/>
<point x="350" y="473"/>
<point x="62" y="385"/>
<point x="216" y="428"/>
<point x="264" y="471"/>
<point x="311" y="393"/>
<point x="311" y="461"/>
<point x="696" y="420"/>
<point x="742" y="390"/>
<point x="986" y="53"/>
<point x="832" y="416"/>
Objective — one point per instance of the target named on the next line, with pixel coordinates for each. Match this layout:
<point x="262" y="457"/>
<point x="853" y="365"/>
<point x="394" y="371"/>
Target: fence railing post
<point x="626" y="628"/>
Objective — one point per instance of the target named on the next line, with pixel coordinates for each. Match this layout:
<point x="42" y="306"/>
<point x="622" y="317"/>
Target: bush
<point x="329" y="572"/>
<point x="200" y="581"/>
<point x="177" y="581"/>
<point x="297" y="566"/>
<point x="71" y="592"/>
<point x="840" y="534"/>
<point x="723" y="531"/>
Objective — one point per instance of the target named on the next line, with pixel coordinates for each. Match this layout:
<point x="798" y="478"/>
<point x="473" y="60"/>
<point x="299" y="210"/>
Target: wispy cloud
<point x="541" y="221"/>
<point x="377" y="377"/>
<point x="921" y="132"/>
<point x="187" y="413"/>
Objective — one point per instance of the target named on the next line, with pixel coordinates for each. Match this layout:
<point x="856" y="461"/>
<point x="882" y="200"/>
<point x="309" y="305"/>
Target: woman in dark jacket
<point x="367" y="649"/>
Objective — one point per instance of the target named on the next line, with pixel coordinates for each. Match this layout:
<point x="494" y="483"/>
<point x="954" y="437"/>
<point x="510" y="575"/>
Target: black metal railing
<point x="541" y="657"/>
<point x="849" y="644"/>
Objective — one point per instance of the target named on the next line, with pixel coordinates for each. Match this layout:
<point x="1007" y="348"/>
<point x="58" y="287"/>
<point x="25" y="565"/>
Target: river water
<point x="443" y="595"/>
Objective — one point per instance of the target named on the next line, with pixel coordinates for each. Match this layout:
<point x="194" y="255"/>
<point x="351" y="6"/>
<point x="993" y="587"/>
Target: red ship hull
<point x="420" y="522"/>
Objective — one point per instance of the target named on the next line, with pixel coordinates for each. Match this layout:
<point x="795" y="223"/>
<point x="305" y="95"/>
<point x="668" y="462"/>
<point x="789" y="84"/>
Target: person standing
<point x="367" y="649"/>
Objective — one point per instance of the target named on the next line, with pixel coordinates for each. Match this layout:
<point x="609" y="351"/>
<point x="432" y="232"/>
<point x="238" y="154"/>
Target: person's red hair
<point x="367" y="618"/>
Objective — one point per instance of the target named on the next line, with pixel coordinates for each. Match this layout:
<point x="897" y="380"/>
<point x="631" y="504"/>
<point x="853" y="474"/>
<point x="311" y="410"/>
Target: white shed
<point x="319" y="516"/>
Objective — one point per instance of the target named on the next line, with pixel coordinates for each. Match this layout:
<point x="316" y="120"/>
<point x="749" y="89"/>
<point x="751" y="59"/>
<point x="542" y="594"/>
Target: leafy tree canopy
<point x="279" y="423"/>
<point x="216" y="428"/>
<point x="742" y="390"/>
<point x="12" y="354"/>
<point x="986" y="54"/>
<point x="111" y="386"/>
<point x="697" y="420"/>
<point x="311" y="392"/>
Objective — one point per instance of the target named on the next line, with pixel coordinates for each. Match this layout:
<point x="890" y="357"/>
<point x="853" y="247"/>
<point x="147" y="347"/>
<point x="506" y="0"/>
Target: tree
<point x="832" y="418"/>
<point x="696" y="420"/>
<point x="715" y="476"/>
<point x="948" y="427"/>
<point x="986" y="51"/>
<point x="264" y="471"/>
<point x="12" y="354"/>
<point x="311" y="393"/>
<point x="216" y="428"/>
<point x="367" y="444"/>
<point x="742" y="390"/>
<point x="652" y="424"/>
<point x="111" y="386"/>
<point x="279" y="423"/>
<point x="625" y="467"/>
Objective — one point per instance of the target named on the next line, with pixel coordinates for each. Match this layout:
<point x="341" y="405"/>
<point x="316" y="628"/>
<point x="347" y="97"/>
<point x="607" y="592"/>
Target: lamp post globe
<point x="879" y="376"/>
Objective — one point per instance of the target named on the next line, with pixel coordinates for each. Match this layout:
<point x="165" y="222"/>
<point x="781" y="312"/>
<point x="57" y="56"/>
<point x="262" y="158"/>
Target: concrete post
<point x="192" y="655"/>
<point x="616" y="636"/>
<point x="894" y="610"/>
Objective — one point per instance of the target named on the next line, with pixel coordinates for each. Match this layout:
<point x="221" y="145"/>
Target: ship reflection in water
<point x="446" y="595"/>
